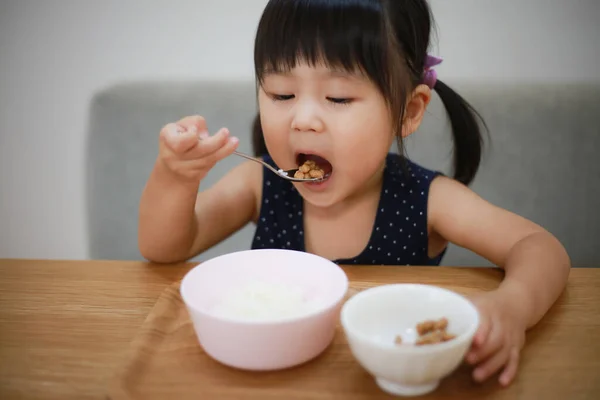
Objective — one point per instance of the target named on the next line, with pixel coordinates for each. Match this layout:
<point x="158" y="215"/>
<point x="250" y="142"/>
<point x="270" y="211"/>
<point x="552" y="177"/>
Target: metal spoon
<point x="285" y="174"/>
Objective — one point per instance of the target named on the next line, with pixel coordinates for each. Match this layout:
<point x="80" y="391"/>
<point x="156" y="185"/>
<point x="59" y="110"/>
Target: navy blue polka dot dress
<point x="399" y="236"/>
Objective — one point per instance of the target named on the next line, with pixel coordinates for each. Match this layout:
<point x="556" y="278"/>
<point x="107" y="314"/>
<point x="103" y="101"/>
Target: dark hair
<point x="386" y="40"/>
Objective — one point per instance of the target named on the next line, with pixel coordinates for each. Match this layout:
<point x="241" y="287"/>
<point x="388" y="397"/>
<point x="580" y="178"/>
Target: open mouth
<point x="313" y="166"/>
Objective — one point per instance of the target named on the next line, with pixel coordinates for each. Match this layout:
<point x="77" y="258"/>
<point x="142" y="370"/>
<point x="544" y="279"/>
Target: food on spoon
<point x="316" y="173"/>
<point x="309" y="170"/>
<point x="306" y="167"/>
<point x="431" y="332"/>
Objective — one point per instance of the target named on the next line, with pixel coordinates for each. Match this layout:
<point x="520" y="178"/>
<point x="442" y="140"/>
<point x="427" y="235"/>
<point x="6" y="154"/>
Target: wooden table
<point x="65" y="325"/>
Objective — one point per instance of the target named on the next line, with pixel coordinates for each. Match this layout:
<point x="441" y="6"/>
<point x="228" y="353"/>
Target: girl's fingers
<point x="226" y="150"/>
<point x="177" y="141"/>
<point x="211" y="159"/>
<point x="207" y="146"/>
<point x="481" y="341"/>
<point x="492" y="345"/>
<point x="510" y="371"/>
<point x="193" y="122"/>
<point x="483" y="332"/>
<point x="491" y="365"/>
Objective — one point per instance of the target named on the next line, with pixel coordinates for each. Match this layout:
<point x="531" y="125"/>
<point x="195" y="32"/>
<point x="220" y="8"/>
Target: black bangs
<point x="340" y="34"/>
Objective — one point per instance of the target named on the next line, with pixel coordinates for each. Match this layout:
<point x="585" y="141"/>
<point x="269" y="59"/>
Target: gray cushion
<point x="540" y="164"/>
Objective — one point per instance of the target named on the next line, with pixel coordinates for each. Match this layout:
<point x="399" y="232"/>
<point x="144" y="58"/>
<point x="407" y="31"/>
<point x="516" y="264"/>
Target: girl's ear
<point x="415" y="109"/>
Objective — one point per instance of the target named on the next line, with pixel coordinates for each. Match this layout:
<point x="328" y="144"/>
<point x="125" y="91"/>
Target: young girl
<point x="338" y="82"/>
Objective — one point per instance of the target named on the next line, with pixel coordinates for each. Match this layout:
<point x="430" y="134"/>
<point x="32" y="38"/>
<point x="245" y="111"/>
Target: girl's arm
<point x="177" y="223"/>
<point x="536" y="265"/>
<point x="227" y="206"/>
<point x="536" y="271"/>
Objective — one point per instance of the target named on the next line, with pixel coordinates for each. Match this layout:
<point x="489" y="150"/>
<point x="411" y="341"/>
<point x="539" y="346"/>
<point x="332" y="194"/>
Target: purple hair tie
<point x="429" y="74"/>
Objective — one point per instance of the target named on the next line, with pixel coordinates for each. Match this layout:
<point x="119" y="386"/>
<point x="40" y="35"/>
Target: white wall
<point x="55" y="54"/>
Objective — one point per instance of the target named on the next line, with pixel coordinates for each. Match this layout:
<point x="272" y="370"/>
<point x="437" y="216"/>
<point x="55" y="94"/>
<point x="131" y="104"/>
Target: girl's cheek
<point x="274" y="134"/>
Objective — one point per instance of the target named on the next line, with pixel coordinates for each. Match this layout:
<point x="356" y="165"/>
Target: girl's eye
<point x="337" y="100"/>
<point x="282" y="97"/>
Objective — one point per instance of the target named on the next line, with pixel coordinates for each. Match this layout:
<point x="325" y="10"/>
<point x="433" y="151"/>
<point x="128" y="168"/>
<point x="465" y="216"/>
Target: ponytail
<point x="258" y="140"/>
<point x="468" y="140"/>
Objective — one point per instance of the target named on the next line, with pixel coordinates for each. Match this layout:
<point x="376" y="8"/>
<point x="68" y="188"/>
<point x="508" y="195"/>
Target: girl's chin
<point x="318" y="187"/>
<point x="322" y="194"/>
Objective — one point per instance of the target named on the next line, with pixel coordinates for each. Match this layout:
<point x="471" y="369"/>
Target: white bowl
<point x="237" y="330"/>
<point x="374" y="317"/>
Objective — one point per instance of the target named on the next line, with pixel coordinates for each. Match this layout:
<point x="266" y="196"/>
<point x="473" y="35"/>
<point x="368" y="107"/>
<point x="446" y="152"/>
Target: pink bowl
<point x="271" y="341"/>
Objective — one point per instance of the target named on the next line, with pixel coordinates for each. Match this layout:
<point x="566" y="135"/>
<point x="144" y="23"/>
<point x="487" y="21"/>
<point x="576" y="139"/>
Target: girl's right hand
<point x="188" y="151"/>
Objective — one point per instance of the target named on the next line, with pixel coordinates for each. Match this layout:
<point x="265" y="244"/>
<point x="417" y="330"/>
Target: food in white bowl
<point x="264" y="309"/>
<point x="374" y="319"/>
<point x="430" y="332"/>
<point x="266" y="301"/>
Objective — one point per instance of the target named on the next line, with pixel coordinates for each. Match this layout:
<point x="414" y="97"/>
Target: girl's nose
<point x="307" y="117"/>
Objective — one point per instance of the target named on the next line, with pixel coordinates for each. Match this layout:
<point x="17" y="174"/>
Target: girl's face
<point x="340" y="117"/>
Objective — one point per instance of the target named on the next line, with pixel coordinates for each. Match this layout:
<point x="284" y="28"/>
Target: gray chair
<point x="541" y="162"/>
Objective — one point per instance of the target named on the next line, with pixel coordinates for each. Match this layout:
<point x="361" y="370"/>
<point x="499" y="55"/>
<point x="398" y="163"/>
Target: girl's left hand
<point x="499" y="339"/>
